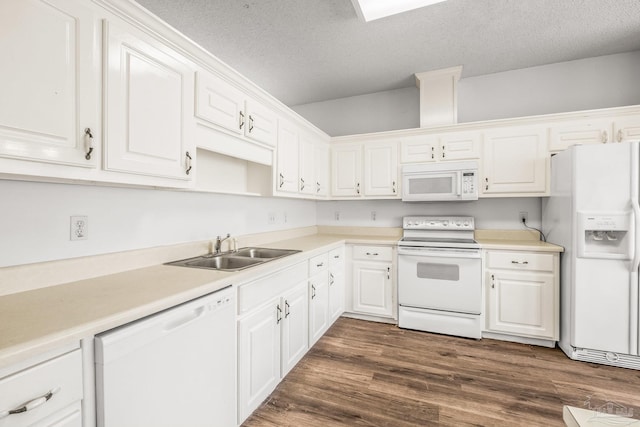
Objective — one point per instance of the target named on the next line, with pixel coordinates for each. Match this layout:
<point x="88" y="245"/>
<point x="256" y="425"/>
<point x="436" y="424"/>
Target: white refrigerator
<point x="593" y="212"/>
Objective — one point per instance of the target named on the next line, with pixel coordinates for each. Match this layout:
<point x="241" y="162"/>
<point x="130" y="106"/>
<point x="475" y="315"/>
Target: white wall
<point x="488" y="213"/>
<point x="34" y="218"/>
<point x="600" y="82"/>
<point x="375" y="112"/>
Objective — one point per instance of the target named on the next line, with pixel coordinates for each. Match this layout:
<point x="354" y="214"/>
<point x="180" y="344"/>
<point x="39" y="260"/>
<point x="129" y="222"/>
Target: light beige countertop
<point x="69" y="300"/>
<point x="514" y="240"/>
<point x="39" y="320"/>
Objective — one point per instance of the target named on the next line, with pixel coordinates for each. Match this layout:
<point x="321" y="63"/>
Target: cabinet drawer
<point x="336" y="256"/>
<point x="254" y="294"/>
<point x="373" y="253"/>
<point x="318" y="263"/>
<point x="520" y="260"/>
<point x="59" y="378"/>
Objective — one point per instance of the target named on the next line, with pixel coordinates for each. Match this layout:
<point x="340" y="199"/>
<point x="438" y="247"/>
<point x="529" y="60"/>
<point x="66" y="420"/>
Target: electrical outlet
<point x="336" y="216"/>
<point x="79" y="228"/>
<point x="271" y="218"/>
<point x="523" y="217"/>
<point x="373" y="215"/>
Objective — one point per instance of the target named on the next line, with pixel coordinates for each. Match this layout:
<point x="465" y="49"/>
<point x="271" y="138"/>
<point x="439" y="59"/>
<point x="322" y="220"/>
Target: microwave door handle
<point x="459" y="183"/>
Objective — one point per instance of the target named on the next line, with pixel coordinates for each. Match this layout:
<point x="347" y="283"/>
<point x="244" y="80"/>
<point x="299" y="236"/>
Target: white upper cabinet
<point x="148" y="106"/>
<point x="307" y="166"/>
<point x="220" y="103"/>
<point x="287" y="158"/>
<point x="564" y="135"/>
<point x="626" y="128"/>
<point x="368" y="169"/>
<point x="440" y="147"/>
<point x="515" y="162"/>
<point x="346" y="170"/>
<point x="321" y="158"/>
<point x="261" y="123"/>
<point x="49" y="82"/>
<point x="381" y="169"/>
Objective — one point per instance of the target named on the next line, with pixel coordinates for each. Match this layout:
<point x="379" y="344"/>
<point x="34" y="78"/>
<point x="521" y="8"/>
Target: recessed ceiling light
<point x="369" y="10"/>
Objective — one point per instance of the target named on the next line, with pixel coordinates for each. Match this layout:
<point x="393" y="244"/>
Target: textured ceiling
<point x="305" y="51"/>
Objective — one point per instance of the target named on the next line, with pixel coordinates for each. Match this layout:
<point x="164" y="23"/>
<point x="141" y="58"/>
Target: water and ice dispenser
<point x="604" y="235"/>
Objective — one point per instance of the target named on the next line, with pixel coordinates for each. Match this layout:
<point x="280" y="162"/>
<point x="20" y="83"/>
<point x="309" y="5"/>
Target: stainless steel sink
<point x="234" y="261"/>
<point x="266" y="253"/>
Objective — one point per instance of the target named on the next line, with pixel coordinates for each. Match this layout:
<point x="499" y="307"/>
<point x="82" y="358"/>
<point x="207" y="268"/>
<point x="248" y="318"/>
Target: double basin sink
<point x="234" y="261"/>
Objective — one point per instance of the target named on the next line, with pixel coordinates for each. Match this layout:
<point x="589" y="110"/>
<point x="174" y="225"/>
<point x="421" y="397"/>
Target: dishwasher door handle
<point x="185" y="320"/>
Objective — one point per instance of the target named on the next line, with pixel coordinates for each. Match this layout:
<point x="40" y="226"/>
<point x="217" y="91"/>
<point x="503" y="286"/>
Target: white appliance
<point x="440" y="276"/>
<point x="444" y="181"/>
<point x="593" y="212"/>
<point x="175" y="368"/>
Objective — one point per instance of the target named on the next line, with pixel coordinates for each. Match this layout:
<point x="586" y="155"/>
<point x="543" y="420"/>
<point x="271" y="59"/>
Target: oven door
<point x="440" y="279"/>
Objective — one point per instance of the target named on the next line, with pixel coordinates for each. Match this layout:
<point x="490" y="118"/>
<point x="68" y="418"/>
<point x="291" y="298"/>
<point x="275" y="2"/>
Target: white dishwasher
<point x="174" y="368"/>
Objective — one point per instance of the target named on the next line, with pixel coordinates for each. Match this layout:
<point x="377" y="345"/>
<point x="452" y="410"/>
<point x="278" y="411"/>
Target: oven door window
<point x="436" y="186"/>
<point x="430" y="270"/>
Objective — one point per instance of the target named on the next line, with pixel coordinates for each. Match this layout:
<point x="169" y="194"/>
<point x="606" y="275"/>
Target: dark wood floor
<point x="371" y="374"/>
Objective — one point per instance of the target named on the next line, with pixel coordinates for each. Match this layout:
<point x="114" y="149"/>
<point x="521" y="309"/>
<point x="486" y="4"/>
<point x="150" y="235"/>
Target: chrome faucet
<point x="218" y="245"/>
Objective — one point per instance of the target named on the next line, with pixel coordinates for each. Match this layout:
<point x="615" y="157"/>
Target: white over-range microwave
<point x="445" y="181"/>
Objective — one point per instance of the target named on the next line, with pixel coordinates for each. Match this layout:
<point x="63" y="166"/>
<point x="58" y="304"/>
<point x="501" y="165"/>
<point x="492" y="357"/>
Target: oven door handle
<point x="440" y="252"/>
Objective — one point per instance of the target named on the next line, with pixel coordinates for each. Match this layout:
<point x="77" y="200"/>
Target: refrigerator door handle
<point x="635" y="256"/>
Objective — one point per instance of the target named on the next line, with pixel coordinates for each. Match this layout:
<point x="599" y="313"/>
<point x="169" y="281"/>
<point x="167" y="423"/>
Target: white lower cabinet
<point x="522" y="294"/>
<point x="48" y="393"/>
<point x="336" y="283"/>
<point x="372" y="280"/>
<point x="318" y="297"/>
<point x="272" y="333"/>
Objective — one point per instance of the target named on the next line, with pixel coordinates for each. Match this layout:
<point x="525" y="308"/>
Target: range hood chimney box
<point x="438" y="96"/>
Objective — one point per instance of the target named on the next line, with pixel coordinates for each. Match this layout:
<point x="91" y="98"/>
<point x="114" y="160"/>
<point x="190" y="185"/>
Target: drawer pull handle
<point x="374" y="254"/>
<point x="287" y="309"/>
<point x="520" y="262"/>
<point x="331" y="279"/>
<point x="278" y="314"/>
<point x="313" y="291"/>
<point x="493" y="281"/>
<point x="31" y="405"/>
<point x="320" y="265"/>
<point x="336" y="256"/>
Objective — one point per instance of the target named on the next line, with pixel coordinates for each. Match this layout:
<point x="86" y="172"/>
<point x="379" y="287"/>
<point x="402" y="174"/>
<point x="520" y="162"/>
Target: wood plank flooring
<point x="370" y="374"/>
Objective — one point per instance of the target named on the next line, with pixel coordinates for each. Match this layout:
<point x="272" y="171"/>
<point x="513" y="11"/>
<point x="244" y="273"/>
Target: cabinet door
<point x="515" y="162"/>
<point x="148" y="108"/>
<point x="418" y="149"/>
<point x="295" y="327"/>
<point x="49" y="81"/>
<point x="459" y="145"/>
<point x="627" y="128"/>
<point x="336" y="293"/>
<point x="372" y="292"/>
<point x="318" y="306"/>
<point x="381" y="169"/>
<point x="521" y="303"/>
<point x="258" y="356"/>
<point x="346" y="170"/>
<point x="287" y="158"/>
<point x="219" y="103"/>
<point x="321" y="167"/>
<point x="261" y="123"/>
<point x="307" y="183"/>
<point x="565" y="135"/>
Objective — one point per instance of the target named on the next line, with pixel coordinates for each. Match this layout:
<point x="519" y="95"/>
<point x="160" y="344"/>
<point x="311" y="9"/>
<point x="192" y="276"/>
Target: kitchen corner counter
<point x="514" y="240"/>
<point x="39" y="320"/>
